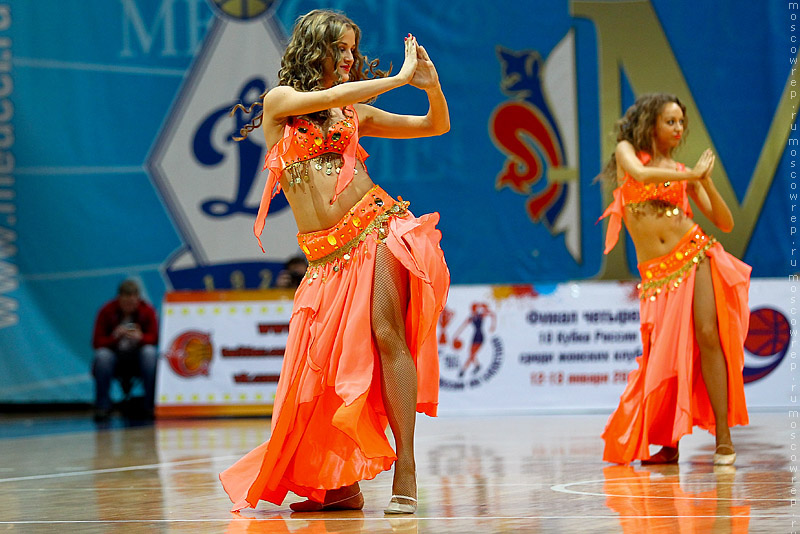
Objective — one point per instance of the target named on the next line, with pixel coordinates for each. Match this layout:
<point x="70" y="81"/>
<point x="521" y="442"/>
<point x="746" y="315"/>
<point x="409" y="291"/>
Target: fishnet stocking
<point x="398" y="372"/>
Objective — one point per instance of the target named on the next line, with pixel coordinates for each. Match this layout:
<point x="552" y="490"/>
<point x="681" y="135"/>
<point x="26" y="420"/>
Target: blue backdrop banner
<point x="116" y="157"/>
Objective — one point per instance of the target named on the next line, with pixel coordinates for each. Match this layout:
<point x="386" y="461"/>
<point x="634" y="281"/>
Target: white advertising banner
<point x="221" y="352"/>
<point x="502" y="349"/>
<point x="520" y="348"/>
<point x="570" y="347"/>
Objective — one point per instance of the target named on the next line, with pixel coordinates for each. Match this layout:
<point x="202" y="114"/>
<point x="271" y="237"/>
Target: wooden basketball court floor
<point x="532" y="473"/>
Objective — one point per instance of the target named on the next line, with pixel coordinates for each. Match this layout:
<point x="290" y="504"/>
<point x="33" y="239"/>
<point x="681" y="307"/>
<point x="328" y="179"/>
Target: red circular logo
<point x="190" y="354"/>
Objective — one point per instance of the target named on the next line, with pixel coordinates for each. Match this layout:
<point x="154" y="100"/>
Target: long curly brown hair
<point x="637" y="127"/>
<point x="313" y="40"/>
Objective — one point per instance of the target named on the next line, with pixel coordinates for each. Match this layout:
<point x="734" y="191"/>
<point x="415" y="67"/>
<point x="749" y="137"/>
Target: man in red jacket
<point x="125" y="340"/>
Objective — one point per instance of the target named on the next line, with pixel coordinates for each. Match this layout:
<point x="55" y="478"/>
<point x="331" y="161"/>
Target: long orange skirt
<point x="666" y="396"/>
<point x="328" y="421"/>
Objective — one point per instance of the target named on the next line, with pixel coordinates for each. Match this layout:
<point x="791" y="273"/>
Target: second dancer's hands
<point x="704" y="165"/>
<point x="705" y="179"/>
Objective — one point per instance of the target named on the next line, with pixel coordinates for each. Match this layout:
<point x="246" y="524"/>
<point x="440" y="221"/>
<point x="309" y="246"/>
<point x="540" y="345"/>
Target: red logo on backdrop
<point x="524" y="167"/>
<point x="190" y="354"/>
<point x="537" y="138"/>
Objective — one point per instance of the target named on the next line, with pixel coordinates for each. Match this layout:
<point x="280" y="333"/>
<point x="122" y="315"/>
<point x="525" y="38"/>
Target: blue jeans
<point x="109" y="364"/>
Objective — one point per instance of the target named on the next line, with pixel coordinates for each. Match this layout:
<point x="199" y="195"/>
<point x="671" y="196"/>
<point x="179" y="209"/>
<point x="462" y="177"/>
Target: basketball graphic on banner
<point x="767" y="338"/>
<point x="242" y="9"/>
<point x="769" y="332"/>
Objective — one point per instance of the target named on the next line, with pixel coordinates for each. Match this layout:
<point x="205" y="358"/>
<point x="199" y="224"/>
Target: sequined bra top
<point x="635" y="193"/>
<point x="302" y="141"/>
<point x="309" y="141"/>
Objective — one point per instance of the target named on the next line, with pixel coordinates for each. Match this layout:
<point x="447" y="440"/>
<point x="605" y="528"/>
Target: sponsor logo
<point x="209" y="183"/>
<point x="469" y="356"/>
<point x="190" y="354"/>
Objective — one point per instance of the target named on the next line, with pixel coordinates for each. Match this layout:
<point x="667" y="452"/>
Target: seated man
<point x="125" y="339"/>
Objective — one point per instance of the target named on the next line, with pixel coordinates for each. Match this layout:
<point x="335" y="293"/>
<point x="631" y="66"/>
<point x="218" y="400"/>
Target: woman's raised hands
<point x="409" y="67"/>
<point x="425" y="77"/>
<point x="704" y="164"/>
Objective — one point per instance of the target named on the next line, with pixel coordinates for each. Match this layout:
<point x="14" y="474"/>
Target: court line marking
<point x="215" y="484"/>
<point x="117" y="469"/>
<point x="310" y="519"/>
<point x="562" y="488"/>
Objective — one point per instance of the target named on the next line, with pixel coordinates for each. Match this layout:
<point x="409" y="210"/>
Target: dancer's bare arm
<point x="375" y="122"/>
<point x="630" y="163"/>
<point x="710" y="202"/>
<point x="284" y="101"/>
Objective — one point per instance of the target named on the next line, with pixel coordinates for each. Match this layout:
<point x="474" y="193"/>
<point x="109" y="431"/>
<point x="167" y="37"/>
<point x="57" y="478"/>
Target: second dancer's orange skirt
<point x="328" y="420"/>
<point x="666" y="396"/>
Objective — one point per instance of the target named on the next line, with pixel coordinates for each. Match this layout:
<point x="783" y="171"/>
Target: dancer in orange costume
<point x="362" y="347"/>
<point x="693" y="308"/>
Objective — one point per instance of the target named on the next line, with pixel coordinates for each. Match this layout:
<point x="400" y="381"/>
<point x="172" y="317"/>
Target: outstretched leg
<point x="398" y="372"/>
<point x="712" y="360"/>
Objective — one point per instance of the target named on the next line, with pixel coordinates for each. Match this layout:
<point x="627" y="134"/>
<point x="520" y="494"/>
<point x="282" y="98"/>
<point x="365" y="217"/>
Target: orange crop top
<point x="302" y="141"/>
<point x="633" y="191"/>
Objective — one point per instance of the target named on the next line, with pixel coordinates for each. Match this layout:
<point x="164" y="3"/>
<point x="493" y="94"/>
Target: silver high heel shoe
<point x="400" y="508"/>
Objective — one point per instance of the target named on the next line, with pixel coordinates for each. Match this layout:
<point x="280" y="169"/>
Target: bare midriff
<point x="653" y="233"/>
<point x="311" y="200"/>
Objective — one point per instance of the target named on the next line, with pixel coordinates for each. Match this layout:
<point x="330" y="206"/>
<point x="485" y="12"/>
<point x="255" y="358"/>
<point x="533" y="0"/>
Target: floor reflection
<point x="654" y="499"/>
<point x="320" y="523"/>
<point x="475" y="474"/>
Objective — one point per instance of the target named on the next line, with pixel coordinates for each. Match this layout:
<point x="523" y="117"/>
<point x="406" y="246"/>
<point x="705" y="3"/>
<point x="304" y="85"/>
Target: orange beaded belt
<point x="336" y="243"/>
<point x="667" y="272"/>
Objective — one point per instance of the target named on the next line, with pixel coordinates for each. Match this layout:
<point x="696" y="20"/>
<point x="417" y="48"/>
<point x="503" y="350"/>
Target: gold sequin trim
<point x="328" y="163"/>
<point x="343" y="253"/>
<point x="657" y="206"/>
<point x="673" y="280"/>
